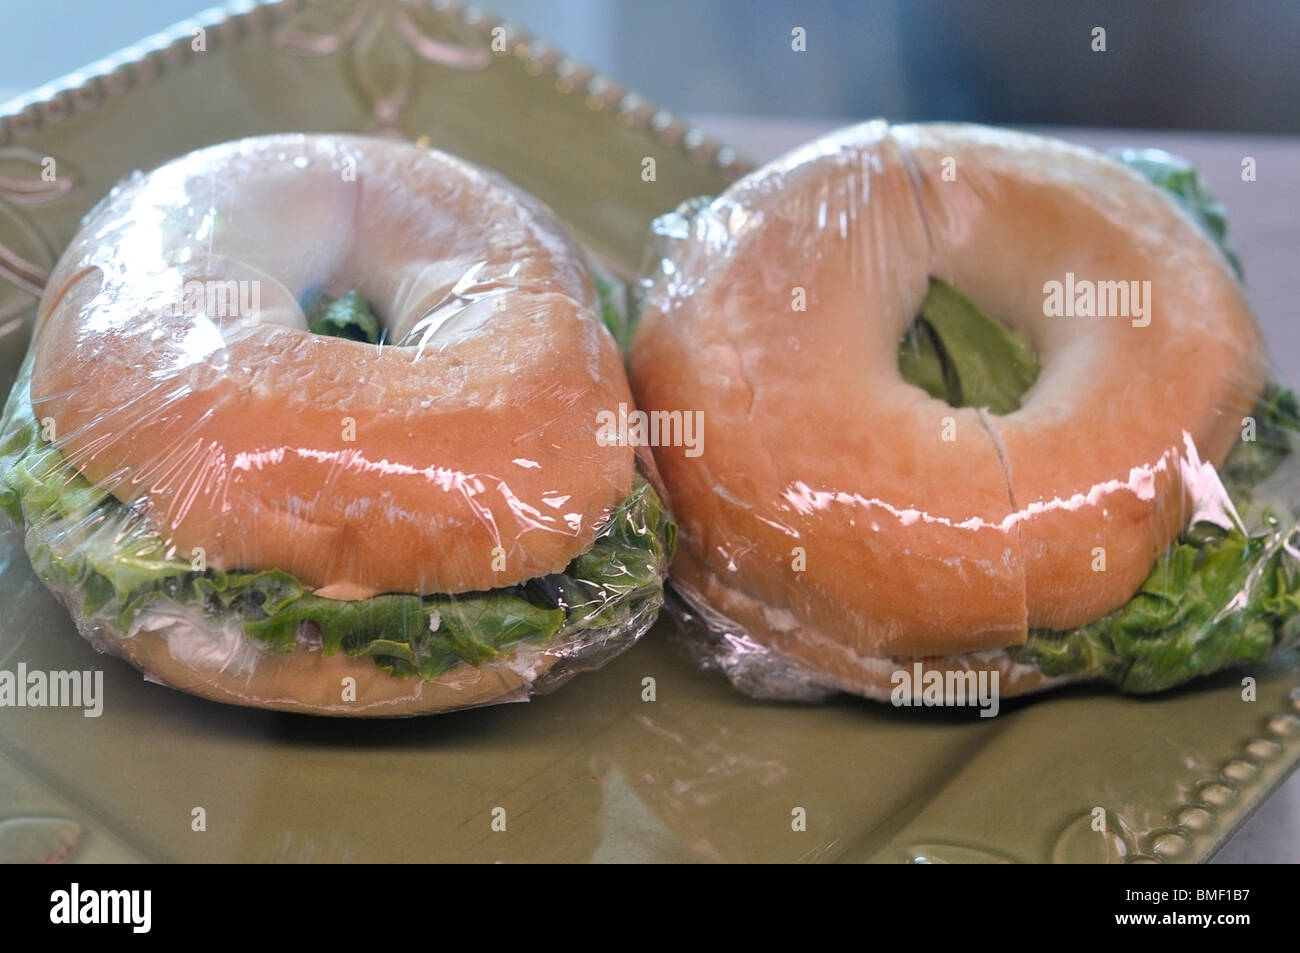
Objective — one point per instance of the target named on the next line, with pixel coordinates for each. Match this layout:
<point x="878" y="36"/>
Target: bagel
<point x="848" y="520"/>
<point x="327" y="497"/>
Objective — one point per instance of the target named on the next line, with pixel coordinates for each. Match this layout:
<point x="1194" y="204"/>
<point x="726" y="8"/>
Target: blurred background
<point x="1168" y="64"/>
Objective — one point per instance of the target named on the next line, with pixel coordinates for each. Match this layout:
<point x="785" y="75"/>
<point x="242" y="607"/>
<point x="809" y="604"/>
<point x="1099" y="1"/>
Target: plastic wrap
<point x="979" y="406"/>
<point x="314" y="423"/>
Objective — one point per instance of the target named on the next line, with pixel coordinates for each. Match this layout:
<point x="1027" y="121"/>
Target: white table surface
<point x="1263" y="229"/>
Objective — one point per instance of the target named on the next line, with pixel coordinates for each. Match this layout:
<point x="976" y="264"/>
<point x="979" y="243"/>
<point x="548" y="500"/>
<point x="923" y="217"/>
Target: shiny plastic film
<point x="985" y="412"/>
<point x="314" y="423"/>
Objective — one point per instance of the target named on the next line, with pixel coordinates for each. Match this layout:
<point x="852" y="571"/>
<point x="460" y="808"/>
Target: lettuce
<point x="348" y="316"/>
<point x="608" y="291"/>
<point x="1179" y="178"/>
<point x="1276" y="417"/>
<point x="1216" y="599"/>
<point x="87" y="545"/>
<point x="956" y="353"/>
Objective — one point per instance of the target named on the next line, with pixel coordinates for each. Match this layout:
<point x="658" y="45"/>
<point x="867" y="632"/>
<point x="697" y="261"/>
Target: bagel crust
<point x="182" y="653"/>
<point x="823" y="662"/>
<point x="844" y="518"/>
<point x="465" y="459"/>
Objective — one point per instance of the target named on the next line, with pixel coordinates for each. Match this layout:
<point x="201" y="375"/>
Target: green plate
<point x="612" y="767"/>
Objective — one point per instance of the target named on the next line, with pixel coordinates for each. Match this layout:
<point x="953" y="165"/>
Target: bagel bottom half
<point x="822" y="663"/>
<point x="309" y="681"/>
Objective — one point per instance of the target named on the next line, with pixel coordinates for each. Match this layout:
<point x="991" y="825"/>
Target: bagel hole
<point x="348" y="315"/>
<point x="957" y="353"/>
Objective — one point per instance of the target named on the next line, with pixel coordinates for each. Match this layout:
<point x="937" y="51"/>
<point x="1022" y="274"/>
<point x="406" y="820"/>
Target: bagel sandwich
<point x="933" y="457"/>
<point x="379" y="491"/>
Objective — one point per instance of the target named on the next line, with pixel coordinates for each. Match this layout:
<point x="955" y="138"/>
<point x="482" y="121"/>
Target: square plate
<point x="605" y="769"/>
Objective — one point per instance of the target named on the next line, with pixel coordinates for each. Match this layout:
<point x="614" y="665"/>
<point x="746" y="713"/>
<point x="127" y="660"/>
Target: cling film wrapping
<point x="312" y="423"/>
<point x="975" y="402"/>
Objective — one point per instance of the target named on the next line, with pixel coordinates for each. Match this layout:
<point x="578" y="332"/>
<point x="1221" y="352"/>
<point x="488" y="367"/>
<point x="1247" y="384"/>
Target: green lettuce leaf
<point x="348" y="316"/>
<point x="1213" y="601"/>
<point x="1276" y="417"/>
<point x="1178" y="177"/>
<point x="412" y="635"/>
<point x="958" y="354"/>
<point x="87" y="544"/>
<point x="612" y="296"/>
<point x="614" y="316"/>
